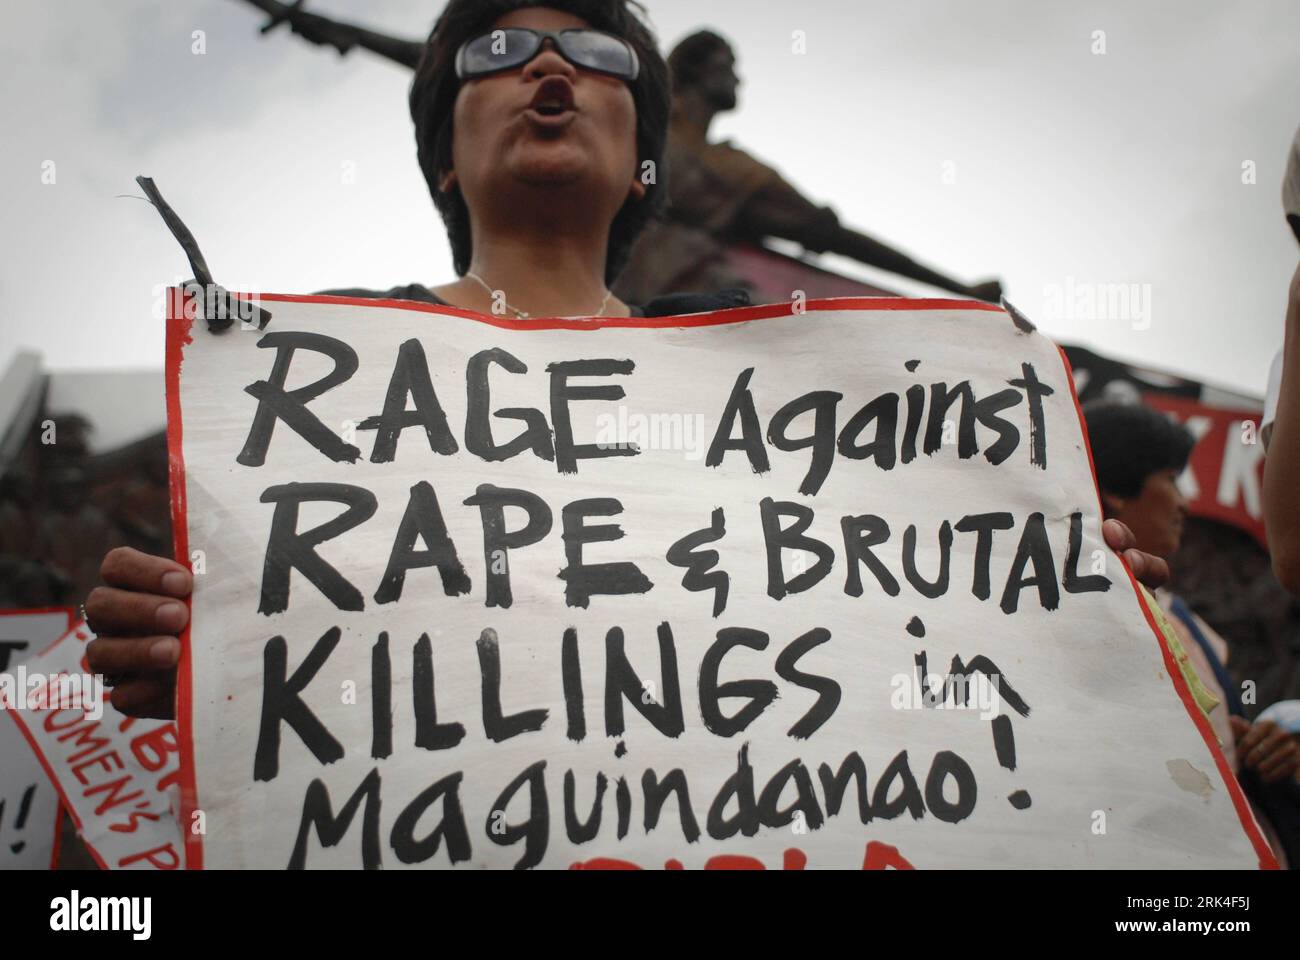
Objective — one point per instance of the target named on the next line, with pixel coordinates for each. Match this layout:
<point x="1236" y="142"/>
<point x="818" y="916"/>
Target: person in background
<point x="1280" y="430"/>
<point x="1138" y="455"/>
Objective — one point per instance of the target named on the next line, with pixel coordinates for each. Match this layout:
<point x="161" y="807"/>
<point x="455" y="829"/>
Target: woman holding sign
<point x="540" y="130"/>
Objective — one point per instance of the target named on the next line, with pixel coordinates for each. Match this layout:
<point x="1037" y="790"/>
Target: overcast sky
<point x="986" y="138"/>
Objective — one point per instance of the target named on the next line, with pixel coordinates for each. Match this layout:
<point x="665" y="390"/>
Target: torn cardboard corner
<point x="1023" y="323"/>
<point x="219" y="306"/>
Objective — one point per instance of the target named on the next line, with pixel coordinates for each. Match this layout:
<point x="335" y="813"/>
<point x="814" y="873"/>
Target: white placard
<point x="446" y="615"/>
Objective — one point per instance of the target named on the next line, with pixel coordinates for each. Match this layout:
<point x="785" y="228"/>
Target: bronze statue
<point x="719" y="192"/>
<point x="323" y="31"/>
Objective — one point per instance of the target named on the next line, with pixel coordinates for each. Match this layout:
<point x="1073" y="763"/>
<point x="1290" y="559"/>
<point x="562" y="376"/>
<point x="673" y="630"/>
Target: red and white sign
<point x="1224" y="480"/>
<point x="29" y="803"/>
<point x="118" y="776"/>
<point x="678" y="591"/>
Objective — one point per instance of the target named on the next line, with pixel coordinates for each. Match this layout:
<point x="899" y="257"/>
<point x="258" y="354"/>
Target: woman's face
<point x="499" y="143"/>
<point x="1157" y="515"/>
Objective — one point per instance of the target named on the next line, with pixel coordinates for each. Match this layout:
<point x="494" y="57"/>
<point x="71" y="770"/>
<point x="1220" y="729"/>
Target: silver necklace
<point x="523" y="314"/>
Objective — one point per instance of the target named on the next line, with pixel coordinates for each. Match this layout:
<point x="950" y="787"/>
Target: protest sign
<point x="118" y="776"/>
<point x="812" y="584"/>
<point x="29" y="804"/>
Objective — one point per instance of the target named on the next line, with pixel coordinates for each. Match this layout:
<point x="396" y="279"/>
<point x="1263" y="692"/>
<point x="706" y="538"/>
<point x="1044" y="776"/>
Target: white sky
<point x="1069" y="166"/>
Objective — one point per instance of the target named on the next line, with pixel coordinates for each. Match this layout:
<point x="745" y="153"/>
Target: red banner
<point x="1225" y="479"/>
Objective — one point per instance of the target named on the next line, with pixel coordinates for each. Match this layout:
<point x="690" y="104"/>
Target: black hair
<point x="688" y="58"/>
<point x="433" y="99"/>
<point x="1130" y="442"/>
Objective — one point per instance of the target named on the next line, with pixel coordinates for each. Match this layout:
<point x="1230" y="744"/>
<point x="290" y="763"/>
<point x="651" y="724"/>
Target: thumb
<point x="1240" y="726"/>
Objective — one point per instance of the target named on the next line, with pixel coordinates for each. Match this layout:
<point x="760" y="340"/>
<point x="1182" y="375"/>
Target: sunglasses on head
<point x="511" y="47"/>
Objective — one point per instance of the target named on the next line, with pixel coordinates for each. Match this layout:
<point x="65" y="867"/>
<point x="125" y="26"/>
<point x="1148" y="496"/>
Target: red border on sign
<point x="715" y="318"/>
<point x="1267" y="861"/>
<point x="179" y="330"/>
<point x="68" y="612"/>
<point x="178" y="337"/>
<point x="58" y="835"/>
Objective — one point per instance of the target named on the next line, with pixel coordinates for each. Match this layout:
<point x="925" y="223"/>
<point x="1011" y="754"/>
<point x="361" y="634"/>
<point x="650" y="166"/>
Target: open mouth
<point x="554" y="98"/>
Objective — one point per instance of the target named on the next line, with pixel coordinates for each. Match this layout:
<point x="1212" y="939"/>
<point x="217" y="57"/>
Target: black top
<point x="669" y="305"/>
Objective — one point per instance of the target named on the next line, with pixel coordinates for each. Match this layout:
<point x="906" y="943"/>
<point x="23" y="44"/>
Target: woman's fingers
<point x="1267" y="749"/>
<point x="137" y="618"/>
<point x="126" y="613"/>
<point x="1117" y="535"/>
<point x="145" y="697"/>
<point x="1149" y="570"/>
<point x="137" y="655"/>
<point x="132" y="570"/>
<point x="1281" y="764"/>
<point x="1255" y="732"/>
<point x="1273" y="756"/>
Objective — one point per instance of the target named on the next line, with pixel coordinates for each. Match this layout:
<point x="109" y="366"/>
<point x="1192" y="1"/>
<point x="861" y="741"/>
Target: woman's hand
<point x="137" y="618"/>
<point x="1267" y="749"/>
<point x="1150" y="570"/>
